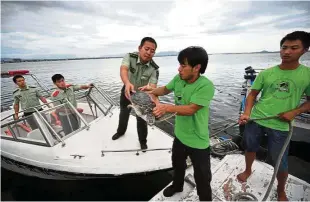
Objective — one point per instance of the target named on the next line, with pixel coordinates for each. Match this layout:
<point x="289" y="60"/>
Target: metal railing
<point x="92" y="100"/>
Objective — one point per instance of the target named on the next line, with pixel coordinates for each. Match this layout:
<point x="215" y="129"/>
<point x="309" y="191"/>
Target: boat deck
<point x="225" y="185"/>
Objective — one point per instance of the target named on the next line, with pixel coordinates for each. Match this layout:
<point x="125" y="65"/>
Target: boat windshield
<point x="61" y="119"/>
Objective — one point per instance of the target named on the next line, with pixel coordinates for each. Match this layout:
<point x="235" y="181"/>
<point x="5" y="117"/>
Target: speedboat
<point x="86" y="151"/>
<point x="227" y="161"/>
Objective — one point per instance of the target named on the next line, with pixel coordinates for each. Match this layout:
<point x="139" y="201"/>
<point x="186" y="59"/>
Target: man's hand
<point x="16" y="116"/>
<point x="288" y="116"/>
<point x="243" y="119"/>
<point x="159" y="110"/>
<point x="129" y="88"/>
<point x="146" y="88"/>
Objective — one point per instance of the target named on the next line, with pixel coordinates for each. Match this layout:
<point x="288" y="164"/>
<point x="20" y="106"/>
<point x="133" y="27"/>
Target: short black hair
<point x="194" y="55"/>
<point x="17" y="77"/>
<point x="304" y="37"/>
<point x="57" y="77"/>
<point x="149" y="39"/>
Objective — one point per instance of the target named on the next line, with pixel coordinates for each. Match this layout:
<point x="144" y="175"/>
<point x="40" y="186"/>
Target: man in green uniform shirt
<point x="282" y="87"/>
<point x="137" y="70"/>
<point x="28" y="97"/>
<point x="192" y="95"/>
<point x="70" y="122"/>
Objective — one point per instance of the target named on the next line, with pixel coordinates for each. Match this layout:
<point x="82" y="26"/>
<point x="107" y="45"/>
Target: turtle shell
<point x="142" y="99"/>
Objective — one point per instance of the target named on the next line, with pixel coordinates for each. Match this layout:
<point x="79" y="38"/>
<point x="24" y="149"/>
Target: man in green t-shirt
<point x="282" y="88"/>
<point x="192" y="94"/>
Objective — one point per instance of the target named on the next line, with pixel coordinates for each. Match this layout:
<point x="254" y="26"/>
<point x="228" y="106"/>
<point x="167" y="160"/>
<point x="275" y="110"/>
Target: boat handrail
<point x="43" y="86"/>
<point x="105" y="96"/>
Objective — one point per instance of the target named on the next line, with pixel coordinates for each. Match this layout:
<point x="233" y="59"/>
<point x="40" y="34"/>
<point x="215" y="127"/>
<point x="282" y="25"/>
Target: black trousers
<point x="31" y="120"/>
<point x="202" y="168"/>
<point x="124" y="117"/>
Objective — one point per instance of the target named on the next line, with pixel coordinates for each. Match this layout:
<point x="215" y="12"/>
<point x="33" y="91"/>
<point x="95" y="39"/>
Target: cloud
<point x="97" y="28"/>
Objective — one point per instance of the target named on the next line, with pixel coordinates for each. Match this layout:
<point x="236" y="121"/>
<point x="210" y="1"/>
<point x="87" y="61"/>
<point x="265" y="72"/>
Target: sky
<point x="61" y="29"/>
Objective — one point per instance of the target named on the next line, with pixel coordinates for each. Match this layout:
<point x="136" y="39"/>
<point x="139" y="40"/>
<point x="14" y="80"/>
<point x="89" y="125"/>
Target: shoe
<point x="170" y="191"/>
<point x="143" y="146"/>
<point x="116" y="136"/>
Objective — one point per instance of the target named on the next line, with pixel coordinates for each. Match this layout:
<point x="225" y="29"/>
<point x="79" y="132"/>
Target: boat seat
<point x="80" y="110"/>
<point x="35" y="135"/>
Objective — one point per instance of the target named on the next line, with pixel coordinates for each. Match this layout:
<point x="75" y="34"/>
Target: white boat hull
<point x="91" y="153"/>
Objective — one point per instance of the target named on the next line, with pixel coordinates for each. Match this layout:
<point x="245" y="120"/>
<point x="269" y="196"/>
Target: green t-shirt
<point x="281" y="92"/>
<point x="193" y="130"/>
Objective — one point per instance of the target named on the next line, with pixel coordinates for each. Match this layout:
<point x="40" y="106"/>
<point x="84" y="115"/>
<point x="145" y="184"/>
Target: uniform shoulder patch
<point x="55" y="93"/>
<point x="134" y="55"/>
<point x="154" y="64"/>
<point x="157" y="74"/>
<point x="15" y="91"/>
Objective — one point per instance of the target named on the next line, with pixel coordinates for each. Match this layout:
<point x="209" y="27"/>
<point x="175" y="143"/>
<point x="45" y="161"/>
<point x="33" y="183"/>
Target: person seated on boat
<point x="282" y="88"/>
<point x="68" y="118"/>
<point x="193" y="93"/>
<point x="137" y="70"/>
<point x="28" y="97"/>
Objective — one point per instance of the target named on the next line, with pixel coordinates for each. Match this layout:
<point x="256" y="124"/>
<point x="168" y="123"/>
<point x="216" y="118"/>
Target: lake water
<point x="225" y="71"/>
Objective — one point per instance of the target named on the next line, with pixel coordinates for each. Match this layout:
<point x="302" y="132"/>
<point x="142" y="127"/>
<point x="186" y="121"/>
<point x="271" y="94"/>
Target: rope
<point x="245" y="196"/>
<point x="224" y="148"/>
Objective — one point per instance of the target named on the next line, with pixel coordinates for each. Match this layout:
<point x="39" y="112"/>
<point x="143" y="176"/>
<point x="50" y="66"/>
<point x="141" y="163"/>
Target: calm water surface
<point x="226" y="72"/>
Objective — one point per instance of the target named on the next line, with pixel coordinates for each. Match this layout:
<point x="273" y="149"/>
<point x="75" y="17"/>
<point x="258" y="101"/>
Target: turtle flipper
<point x="137" y="110"/>
<point x="150" y="119"/>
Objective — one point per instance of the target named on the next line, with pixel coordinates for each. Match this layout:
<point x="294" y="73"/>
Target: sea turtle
<point x="143" y="105"/>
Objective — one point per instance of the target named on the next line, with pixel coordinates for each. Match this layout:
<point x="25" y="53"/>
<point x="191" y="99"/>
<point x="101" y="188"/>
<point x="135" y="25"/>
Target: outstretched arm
<point x="86" y="86"/>
<point x="181" y="110"/>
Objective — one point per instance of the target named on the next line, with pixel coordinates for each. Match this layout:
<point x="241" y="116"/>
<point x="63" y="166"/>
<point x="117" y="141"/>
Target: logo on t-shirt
<point x="283" y="89"/>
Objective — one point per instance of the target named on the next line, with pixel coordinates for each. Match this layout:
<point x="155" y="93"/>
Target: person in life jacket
<point x="70" y="122"/>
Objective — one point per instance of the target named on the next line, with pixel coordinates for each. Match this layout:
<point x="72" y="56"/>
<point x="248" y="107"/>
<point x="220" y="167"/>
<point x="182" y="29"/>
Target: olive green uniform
<point x="67" y="93"/>
<point x="139" y="75"/>
<point x="28" y="99"/>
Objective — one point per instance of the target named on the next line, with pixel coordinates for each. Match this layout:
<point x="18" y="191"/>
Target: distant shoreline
<point x="18" y="60"/>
